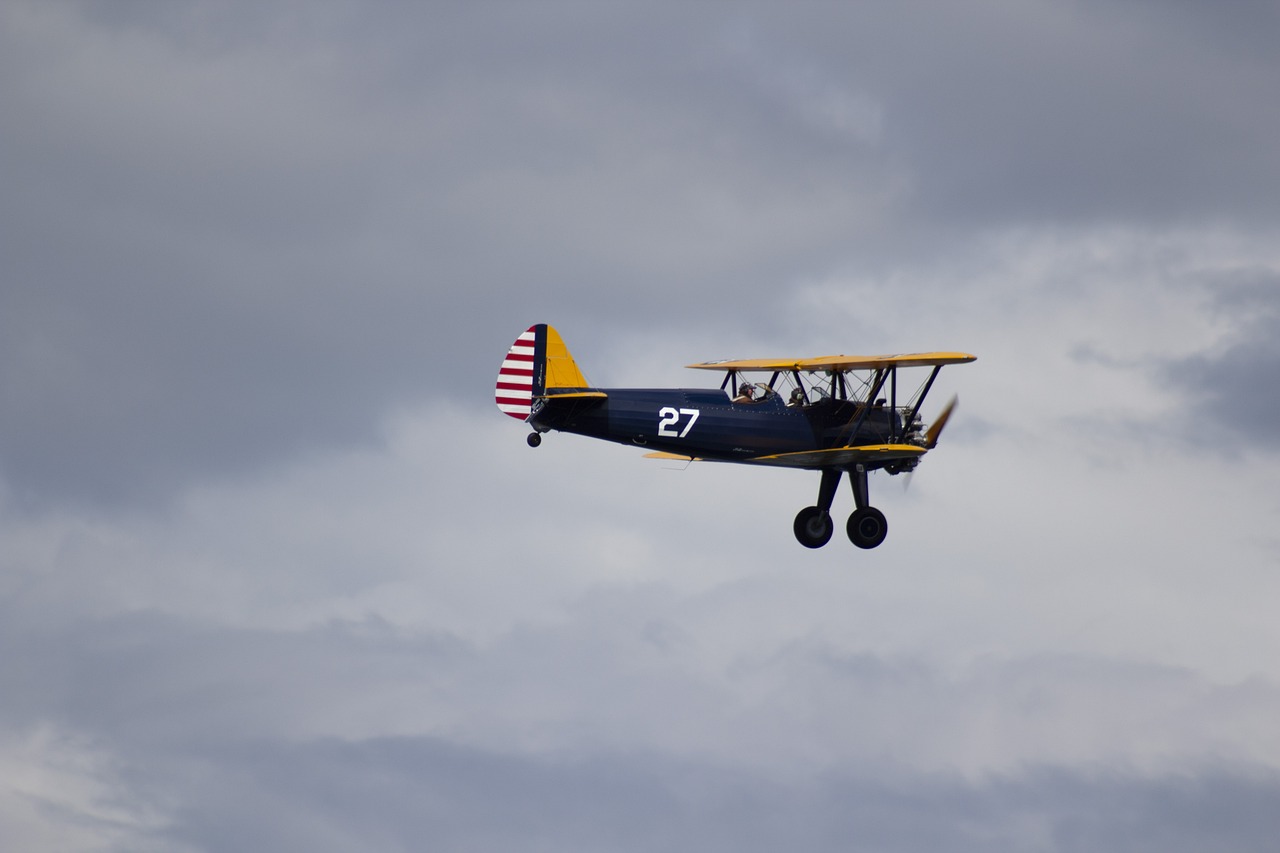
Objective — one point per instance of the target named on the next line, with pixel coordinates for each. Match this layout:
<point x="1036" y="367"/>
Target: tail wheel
<point x="813" y="527"/>
<point x="867" y="527"/>
<point x="533" y="439"/>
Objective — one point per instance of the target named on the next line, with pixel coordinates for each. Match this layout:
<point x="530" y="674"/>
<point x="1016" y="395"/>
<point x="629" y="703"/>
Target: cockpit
<point x="832" y="397"/>
<point x="753" y="392"/>
<point x="797" y="390"/>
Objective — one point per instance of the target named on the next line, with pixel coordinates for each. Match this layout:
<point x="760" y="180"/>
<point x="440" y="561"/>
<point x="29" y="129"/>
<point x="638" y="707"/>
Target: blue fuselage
<point x="707" y="424"/>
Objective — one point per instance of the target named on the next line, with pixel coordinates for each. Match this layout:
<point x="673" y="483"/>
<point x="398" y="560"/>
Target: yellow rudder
<point x="561" y="370"/>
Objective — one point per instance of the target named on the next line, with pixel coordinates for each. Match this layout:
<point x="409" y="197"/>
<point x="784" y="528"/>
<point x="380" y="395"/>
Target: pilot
<point x="746" y="393"/>
<point x="797" y="397"/>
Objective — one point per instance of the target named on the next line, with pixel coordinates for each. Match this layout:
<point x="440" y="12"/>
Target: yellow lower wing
<point x="839" y="457"/>
<point x="834" y="457"/>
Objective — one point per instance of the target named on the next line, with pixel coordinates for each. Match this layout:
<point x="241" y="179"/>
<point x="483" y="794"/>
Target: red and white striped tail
<point x="514" y="392"/>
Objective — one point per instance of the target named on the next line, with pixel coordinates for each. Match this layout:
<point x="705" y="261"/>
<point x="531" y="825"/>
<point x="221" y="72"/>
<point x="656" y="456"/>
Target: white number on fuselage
<point x="669" y="419"/>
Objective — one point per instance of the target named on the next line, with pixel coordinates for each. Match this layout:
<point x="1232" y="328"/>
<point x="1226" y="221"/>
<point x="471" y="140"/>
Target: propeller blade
<point x="935" y="429"/>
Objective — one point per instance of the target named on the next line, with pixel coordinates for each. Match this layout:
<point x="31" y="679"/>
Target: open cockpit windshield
<point x="870" y="398"/>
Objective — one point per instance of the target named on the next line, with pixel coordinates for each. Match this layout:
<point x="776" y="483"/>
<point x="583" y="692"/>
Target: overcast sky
<point x="275" y="574"/>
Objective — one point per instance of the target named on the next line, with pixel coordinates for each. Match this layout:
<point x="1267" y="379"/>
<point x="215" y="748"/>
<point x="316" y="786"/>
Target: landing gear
<point x="534" y="439"/>
<point x="866" y="527"/>
<point x="813" y="527"/>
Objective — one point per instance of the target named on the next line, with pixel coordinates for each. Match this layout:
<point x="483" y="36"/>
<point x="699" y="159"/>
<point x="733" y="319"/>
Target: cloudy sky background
<point x="276" y="574"/>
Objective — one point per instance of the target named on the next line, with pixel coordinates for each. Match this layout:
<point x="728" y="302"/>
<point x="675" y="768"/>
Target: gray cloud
<point x="273" y="572"/>
<point x="1115" y="112"/>
<point x="1234" y="385"/>
<point x="401" y="794"/>
<point x="235" y="233"/>
<point x="213" y="736"/>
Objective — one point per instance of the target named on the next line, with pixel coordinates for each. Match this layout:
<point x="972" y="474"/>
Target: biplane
<point x="836" y="415"/>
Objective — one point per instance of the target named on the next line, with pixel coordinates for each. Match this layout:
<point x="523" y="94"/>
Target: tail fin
<point x="536" y="362"/>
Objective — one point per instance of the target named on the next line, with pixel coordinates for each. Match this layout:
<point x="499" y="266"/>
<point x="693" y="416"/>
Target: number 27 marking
<point x="669" y="419"/>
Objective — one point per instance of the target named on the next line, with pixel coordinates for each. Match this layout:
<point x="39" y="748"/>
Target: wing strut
<point x="911" y="416"/>
<point x="881" y="375"/>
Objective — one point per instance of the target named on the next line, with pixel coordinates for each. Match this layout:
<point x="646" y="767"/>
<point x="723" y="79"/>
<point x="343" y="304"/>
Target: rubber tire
<point x="813" y="527"/>
<point x="867" y="527"/>
<point x="534" y="439"/>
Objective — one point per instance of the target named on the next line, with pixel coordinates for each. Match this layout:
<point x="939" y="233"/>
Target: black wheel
<point x="813" y="527"/>
<point x="534" y="439"/>
<point x="867" y="527"/>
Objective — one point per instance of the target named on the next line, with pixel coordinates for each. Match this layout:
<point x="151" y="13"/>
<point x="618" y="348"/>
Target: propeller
<point x="935" y="429"/>
<point x="931" y="437"/>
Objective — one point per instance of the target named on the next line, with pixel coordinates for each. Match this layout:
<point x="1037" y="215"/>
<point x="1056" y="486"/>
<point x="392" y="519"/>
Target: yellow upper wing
<point x="840" y="362"/>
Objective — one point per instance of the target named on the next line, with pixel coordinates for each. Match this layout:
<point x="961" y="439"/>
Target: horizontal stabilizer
<point x="672" y="457"/>
<point x="563" y="393"/>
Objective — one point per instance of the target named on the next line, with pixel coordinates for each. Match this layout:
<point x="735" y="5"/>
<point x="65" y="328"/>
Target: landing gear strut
<point x="866" y="526"/>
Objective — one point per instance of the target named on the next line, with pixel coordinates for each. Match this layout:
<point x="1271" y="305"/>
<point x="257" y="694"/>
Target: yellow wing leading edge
<point x="840" y="362"/>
